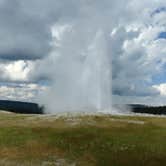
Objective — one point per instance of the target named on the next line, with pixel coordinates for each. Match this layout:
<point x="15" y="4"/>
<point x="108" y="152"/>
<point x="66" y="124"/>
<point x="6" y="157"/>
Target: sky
<point x="35" y="33"/>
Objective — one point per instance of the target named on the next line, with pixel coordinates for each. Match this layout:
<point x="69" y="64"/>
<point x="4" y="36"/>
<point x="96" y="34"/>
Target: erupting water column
<point x="97" y="75"/>
<point x="82" y="75"/>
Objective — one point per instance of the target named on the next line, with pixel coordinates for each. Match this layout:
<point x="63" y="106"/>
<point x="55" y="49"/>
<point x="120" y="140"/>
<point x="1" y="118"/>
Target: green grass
<point x="82" y="140"/>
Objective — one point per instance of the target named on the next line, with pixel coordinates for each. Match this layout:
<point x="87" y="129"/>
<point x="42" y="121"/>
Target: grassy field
<point x="89" y="140"/>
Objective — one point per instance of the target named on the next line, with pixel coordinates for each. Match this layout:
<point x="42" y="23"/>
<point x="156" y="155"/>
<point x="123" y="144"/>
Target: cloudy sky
<point x="35" y="33"/>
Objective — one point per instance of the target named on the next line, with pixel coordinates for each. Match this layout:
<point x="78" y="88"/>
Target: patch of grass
<point x="92" y="141"/>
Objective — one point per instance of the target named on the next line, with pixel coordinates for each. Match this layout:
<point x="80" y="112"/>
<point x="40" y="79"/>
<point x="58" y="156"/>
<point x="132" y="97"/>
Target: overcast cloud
<point x="35" y="33"/>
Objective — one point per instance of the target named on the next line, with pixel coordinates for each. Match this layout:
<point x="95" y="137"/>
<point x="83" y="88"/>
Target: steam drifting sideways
<point x="82" y="55"/>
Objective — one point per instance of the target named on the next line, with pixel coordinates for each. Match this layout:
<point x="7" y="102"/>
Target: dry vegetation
<point x="83" y="140"/>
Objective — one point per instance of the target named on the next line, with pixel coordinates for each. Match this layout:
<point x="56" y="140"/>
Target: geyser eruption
<point x="96" y="75"/>
<point x="82" y="79"/>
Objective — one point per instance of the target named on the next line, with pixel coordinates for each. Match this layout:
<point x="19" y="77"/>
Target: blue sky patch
<point x="162" y="35"/>
<point x="158" y="10"/>
<point x="159" y="79"/>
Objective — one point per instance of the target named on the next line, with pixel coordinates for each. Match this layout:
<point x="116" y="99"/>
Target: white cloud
<point x="21" y="92"/>
<point x="15" y="70"/>
<point x="161" y="88"/>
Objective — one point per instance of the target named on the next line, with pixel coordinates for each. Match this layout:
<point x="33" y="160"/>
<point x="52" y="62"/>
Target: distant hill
<point x="34" y="108"/>
<point x="156" y="110"/>
<point x="20" y="107"/>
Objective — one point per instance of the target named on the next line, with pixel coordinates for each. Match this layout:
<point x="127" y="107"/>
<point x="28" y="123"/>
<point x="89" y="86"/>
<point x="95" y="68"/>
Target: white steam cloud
<point x="124" y="32"/>
<point x="82" y="75"/>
